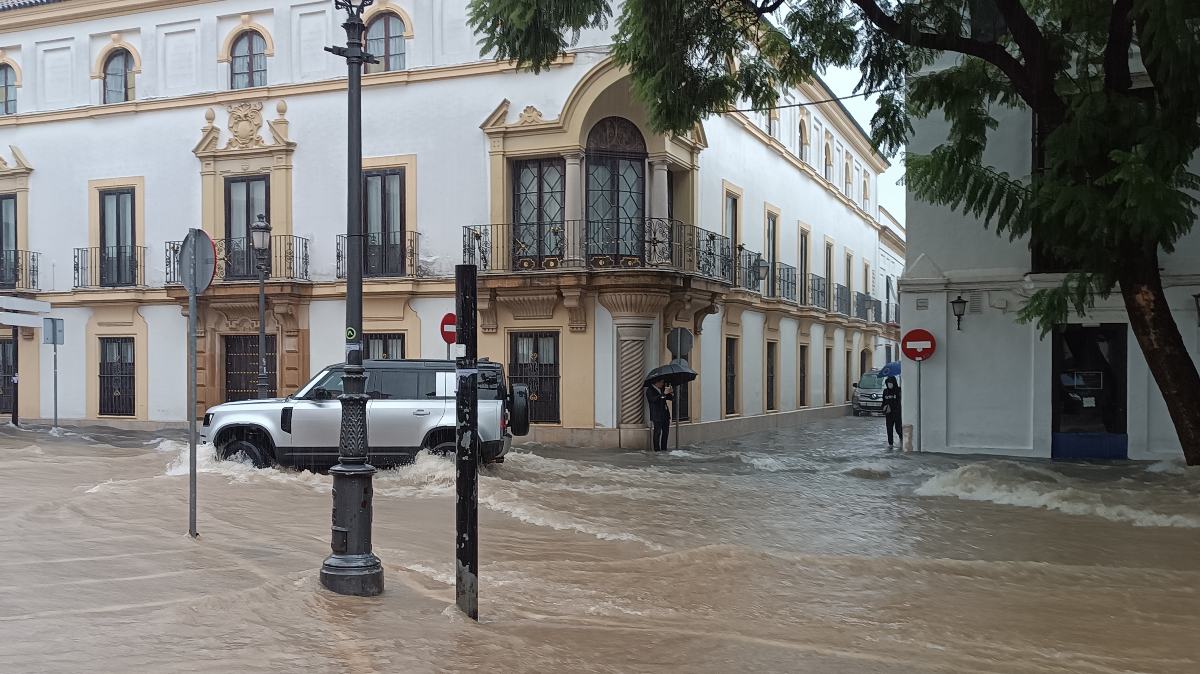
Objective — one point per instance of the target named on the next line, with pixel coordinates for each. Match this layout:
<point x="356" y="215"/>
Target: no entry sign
<point x="918" y="344"/>
<point x="449" y="331"/>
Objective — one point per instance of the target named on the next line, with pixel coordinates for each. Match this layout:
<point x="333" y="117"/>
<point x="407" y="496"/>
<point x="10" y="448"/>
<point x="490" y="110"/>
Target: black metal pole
<point x="466" y="540"/>
<point x="16" y="376"/>
<point x="264" y="386"/>
<point x="353" y="568"/>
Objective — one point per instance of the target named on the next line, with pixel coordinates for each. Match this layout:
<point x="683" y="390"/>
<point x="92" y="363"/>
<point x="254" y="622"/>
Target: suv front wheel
<point x="257" y="455"/>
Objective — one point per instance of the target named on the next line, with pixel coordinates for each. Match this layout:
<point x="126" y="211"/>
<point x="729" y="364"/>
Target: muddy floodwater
<point x="812" y="550"/>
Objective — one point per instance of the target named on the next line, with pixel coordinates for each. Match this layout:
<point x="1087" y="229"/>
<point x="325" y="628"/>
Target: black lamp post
<point x="1196" y="298"/>
<point x="260" y="241"/>
<point x="352" y="568"/>
<point x="959" y="307"/>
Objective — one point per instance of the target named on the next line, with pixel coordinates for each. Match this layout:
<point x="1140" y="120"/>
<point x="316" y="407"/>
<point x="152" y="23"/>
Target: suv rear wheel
<point x="257" y="455"/>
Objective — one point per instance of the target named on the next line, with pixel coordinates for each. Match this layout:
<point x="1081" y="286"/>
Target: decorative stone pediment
<point x="19" y="167"/>
<point x="245" y="126"/>
<point x="530" y="115"/>
<point x="527" y="307"/>
<point x="237" y="317"/>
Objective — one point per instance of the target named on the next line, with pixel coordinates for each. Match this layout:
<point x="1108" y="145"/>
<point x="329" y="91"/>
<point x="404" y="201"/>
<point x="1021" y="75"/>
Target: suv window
<point x="403" y="385"/>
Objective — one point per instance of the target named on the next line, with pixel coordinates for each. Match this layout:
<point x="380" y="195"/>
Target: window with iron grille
<point x="384" y="346"/>
<point x="117" y="380"/>
<point x="248" y="65"/>
<point x="385" y="41"/>
<point x="731" y="346"/>
<point x="8" y="367"/>
<point x="772" y="356"/>
<point x="534" y="362"/>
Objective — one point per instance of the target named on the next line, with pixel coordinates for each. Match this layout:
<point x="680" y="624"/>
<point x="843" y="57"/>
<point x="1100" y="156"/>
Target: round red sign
<point x="449" y="334"/>
<point x="918" y="344"/>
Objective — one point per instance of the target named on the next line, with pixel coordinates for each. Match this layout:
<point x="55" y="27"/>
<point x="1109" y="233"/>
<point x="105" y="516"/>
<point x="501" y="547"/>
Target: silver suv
<point x="411" y="409"/>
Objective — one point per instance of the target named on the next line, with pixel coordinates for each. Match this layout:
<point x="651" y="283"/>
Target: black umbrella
<point x="675" y="373"/>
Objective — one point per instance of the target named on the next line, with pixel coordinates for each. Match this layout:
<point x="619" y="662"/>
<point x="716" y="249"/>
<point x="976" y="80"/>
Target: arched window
<point x="616" y="193"/>
<point x="803" y="140"/>
<point x="248" y="65"/>
<point x="866" y="194"/>
<point x="118" y="77"/>
<point x="385" y="41"/>
<point x="847" y="178"/>
<point x="8" y="90"/>
<point x="828" y="162"/>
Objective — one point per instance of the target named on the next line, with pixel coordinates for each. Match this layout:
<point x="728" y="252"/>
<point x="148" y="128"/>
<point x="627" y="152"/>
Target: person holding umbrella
<point x="657" y="395"/>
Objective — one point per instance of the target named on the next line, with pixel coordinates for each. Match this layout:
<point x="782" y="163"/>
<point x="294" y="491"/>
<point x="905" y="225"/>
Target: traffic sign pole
<point x="466" y="540"/>
<point x="918" y="345"/>
<point x="197" y="268"/>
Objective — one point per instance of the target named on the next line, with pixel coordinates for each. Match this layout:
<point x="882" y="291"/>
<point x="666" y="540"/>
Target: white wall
<point x="72" y="363"/>
<point x="326" y="342"/>
<point x="166" y="329"/>
<point x="712" y="367"/>
<point x="787" y="363"/>
<point x="431" y="310"/>
<point x="753" y="366"/>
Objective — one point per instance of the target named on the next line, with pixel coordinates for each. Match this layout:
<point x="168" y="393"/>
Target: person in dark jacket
<point x="657" y="395"/>
<point x="891" y="409"/>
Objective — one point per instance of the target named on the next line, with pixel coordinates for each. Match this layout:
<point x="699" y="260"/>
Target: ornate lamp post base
<point x="356" y="574"/>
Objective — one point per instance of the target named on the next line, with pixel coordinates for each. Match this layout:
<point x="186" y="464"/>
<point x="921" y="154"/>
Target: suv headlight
<point x="208" y="419"/>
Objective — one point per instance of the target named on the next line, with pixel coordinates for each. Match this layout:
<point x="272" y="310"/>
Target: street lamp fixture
<point x="352" y="568"/>
<point x="959" y="307"/>
<point x="260" y="241"/>
<point x="762" y="268"/>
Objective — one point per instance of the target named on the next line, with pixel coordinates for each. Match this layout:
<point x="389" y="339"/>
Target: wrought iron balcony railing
<point x="783" y="283"/>
<point x="893" y="313"/>
<point x="876" y="311"/>
<point x="385" y="254"/>
<point x="818" y="291"/>
<point x="110" y="267"/>
<point x="287" y="259"/>
<point x="841" y="299"/>
<point x="634" y="243"/>
<point x="19" y="270"/>
<point x="862" y="306"/>
<point x="747" y="275"/>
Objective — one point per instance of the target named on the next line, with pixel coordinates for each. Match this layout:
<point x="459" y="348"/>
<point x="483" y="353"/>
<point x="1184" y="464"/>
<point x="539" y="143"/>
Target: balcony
<point x="818" y="291"/>
<point x="19" y="270"/>
<point x="841" y="299"/>
<point x="862" y="306"/>
<point x="237" y="261"/>
<point x="576" y="245"/>
<point x="110" y="267"/>
<point x="385" y="254"/>
<point x="782" y="284"/>
<point x="747" y="275"/>
<point x="892" y="317"/>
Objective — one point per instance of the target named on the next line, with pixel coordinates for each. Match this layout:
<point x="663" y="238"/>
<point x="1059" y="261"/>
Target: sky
<point x="891" y="195"/>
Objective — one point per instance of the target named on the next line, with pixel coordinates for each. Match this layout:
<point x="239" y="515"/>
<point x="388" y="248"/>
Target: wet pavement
<point x="813" y="549"/>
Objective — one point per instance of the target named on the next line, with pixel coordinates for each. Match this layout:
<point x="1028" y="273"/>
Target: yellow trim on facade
<point x="95" y="187"/>
<point x="118" y="42"/>
<point x="15" y="180"/>
<point x="436" y="73"/>
<point x="247" y="25"/>
<point x="6" y="60"/>
<point x="388" y="7"/>
<point x="729" y="189"/>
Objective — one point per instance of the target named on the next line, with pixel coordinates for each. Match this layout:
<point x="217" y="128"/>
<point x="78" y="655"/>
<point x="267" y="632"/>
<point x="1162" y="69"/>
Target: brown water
<point x="812" y="550"/>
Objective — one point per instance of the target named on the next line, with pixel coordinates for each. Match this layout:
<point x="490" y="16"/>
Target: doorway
<point x="8" y="367"/>
<point x="241" y="366"/>
<point x="1090" y="376"/>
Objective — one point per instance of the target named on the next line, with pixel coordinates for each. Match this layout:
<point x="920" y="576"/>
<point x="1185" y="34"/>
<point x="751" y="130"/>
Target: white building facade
<point x="128" y="122"/>
<point x="995" y="385"/>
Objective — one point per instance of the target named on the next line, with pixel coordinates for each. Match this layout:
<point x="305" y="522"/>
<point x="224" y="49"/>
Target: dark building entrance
<point x="241" y="366"/>
<point x="1090" y="376"/>
<point x="8" y="367"/>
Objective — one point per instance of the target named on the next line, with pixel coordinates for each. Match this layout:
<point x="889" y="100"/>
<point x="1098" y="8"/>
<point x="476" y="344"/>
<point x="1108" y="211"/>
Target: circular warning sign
<point x="449" y="333"/>
<point x="918" y="344"/>
<point x="351" y="334"/>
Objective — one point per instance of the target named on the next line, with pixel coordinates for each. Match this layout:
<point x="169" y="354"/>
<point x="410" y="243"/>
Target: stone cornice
<point x="634" y="303"/>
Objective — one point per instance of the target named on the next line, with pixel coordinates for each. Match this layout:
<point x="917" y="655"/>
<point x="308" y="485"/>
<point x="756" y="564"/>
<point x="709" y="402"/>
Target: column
<point x="631" y="371"/>
<point x="658" y="230"/>
<point x="573" y="210"/>
<point x="658" y="188"/>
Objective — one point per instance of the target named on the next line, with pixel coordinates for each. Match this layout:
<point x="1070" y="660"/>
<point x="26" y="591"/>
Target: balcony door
<point x="246" y="198"/>
<point x="616" y="194"/>
<point x="384" y="247"/>
<point x="538" y="213"/>
<point x="118" y="247"/>
<point x="772" y="255"/>
<point x="8" y="241"/>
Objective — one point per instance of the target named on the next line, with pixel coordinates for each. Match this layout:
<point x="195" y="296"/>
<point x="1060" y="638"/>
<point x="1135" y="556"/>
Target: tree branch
<point x="1116" y="52"/>
<point x="763" y="10"/>
<point x="1036" y="52"/>
<point x="991" y="52"/>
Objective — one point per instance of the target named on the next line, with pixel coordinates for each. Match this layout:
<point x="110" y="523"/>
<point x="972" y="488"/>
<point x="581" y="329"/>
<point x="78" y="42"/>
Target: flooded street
<point x="807" y="550"/>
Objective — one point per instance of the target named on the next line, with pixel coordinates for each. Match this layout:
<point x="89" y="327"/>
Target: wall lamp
<point x="959" y="306"/>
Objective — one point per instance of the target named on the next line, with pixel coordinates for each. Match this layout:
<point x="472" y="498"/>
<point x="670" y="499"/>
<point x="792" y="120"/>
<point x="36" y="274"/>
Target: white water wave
<point x="1014" y="484"/>
<point x="235" y="470"/>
